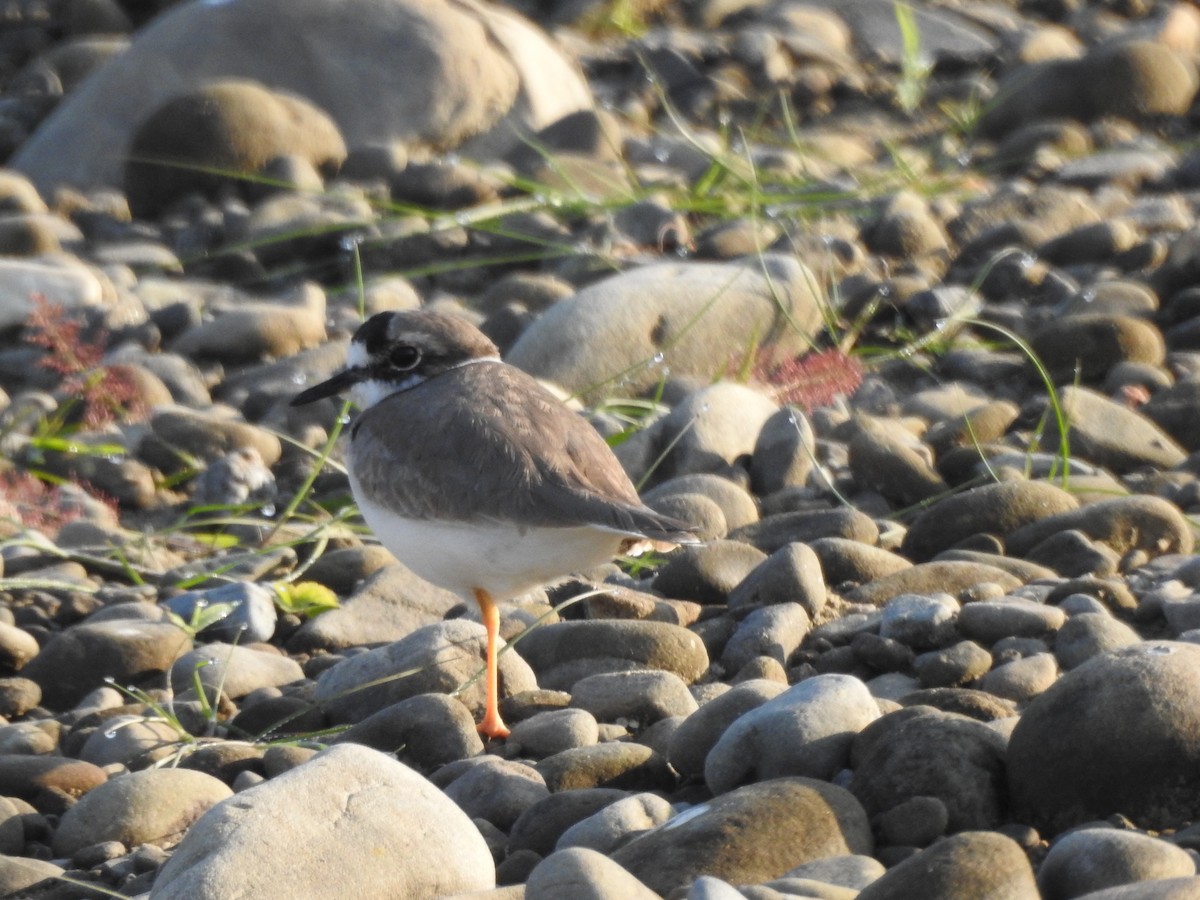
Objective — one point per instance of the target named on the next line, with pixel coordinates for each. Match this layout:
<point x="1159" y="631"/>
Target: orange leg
<point x="492" y="725"/>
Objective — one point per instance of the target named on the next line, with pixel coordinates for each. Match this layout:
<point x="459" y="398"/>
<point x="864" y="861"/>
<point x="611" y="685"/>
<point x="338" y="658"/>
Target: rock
<point x="540" y="827"/>
<point x="18" y="696"/>
<point x="624" y="765"/>
<point x="987" y="621"/>
<point x="584" y="873"/>
<point x="972" y="864"/>
<point x="707" y="573"/>
<point x="1135" y="79"/>
<point x="737" y="504"/>
<point x="24" y="874"/>
<point x="894" y="761"/>
<point x="251" y="612"/>
<point x="81" y="658"/>
<point x="1094" y="344"/>
<point x="553" y="731"/>
<point x="233" y="126"/>
<point x="563" y="652"/>
<point x="772" y="631"/>
<point x="132" y="741"/>
<point x="389" y="605"/>
<point x="257" y="330"/>
<point x="426" y="731"/>
<point x="928" y="577"/>
<point x="640" y="698"/>
<point x="17" y="647"/>
<point x="920" y="622"/>
<point x="468" y="77"/>
<point x="807" y="730"/>
<point x="1147" y="729"/>
<point x="960" y="663"/>
<point x="740" y="836"/>
<point x="1123" y="523"/>
<point x="1109" y="434"/>
<point x="886" y="457"/>
<point x="691" y="313"/>
<point x="495" y="790"/>
<point x="394" y="833"/>
<point x="1022" y="679"/>
<point x="155" y="806"/>
<point x="784" y="452"/>
<point x="1092" y="859"/>
<point x="28" y="776"/>
<point x="207" y="435"/>
<point x="845" y="561"/>
<point x="618" y="823"/>
<point x="432" y="659"/>
<point x="70" y="284"/>
<point x="781" y="529"/>
<point x="699" y="732"/>
<point x="997" y="509"/>
<point x="792" y="574"/>
<point x="234" y="670"/>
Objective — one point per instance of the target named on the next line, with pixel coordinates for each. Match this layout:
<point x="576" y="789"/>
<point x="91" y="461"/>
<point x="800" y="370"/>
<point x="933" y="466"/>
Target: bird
<point x="474" y="475"/>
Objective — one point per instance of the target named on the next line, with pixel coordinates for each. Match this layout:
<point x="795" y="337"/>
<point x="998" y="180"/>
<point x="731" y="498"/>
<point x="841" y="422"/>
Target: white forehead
<point x="356" y="355"/>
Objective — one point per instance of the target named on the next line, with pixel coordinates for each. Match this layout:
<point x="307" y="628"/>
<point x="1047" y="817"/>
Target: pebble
<point x="972" y="864"/>
<point x="1147" y="688"/>
<point x="153" y="806"/>
<point x="403" y="836"/>
<point x="636" y="698"/>
<point x="1092" y="859"/>
<point x="563" y="871"/>
<point x="426" y="731"/>
<point x="616" y="764"/>
<point x="617" y="823"/>
<point x="822" y="820"/>
<point x="807" y="730"/>
<point x="699" y="732"/>
<point x="495" y="790"/>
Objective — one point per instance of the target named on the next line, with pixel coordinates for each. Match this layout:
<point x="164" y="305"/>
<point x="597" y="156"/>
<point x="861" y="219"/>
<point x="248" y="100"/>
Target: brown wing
<point x="487" y="441"/>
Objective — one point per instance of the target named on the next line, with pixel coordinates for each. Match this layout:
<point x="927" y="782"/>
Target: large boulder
<point x="427" y="74"/>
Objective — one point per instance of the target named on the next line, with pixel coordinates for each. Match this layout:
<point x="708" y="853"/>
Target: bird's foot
<point x="493" y="726"/>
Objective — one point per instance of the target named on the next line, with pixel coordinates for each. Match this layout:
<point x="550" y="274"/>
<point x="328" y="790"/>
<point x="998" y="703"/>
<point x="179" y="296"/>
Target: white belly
<point x="503" y="559"/>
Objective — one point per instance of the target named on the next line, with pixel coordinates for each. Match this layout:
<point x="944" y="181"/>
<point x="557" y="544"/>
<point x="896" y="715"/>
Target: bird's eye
<point x="405" y="357"/>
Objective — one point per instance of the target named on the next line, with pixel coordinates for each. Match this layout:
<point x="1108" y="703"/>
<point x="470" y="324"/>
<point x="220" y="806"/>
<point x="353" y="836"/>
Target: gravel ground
<point x="896" y="306"/>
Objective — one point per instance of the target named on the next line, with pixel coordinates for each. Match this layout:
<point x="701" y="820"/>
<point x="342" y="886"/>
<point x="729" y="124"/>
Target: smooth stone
<point x="389" y="605"/>
<point x="920" y="622"/>
<point x="960" y="663"/>
<point x="634" y="698"/>
<point x="1022" y="679"/>
<point x="737" y="504"/>
<point x="1134" y="754"/>
<point x="845" y="561"/>
<point x="707" y="573"/>
<point x="25" y="875"/>
<point x="1112" y="435"/>
<point x="991" y="509"/>
<point x="617" y="824"/>
<point x="623" y="765"/>
<point x="970" y="864"/>
<point x="495" y="790"/>
<point x="234" y="670"/>
<point x="426" y="731"/>
<point x="209" y="435"/>
<point x="553" y="731"/>
<point x="133" y="741"/>
<point x="699" y="732"/>
<point x="17" y="647"/>
<point x="890" y="459"/>
<point x="153" y="806"/>
<point x="27" y="776"/>
<point x="1092" y="859"/>
<point x="617" y="324"/>
<point x="891" y="765"/>
<point x="585" y="873"/>
<point x="258" y="329"/>
<point x="72" y="285"/>
<point x="85" y="656"/>
<point x="792" y="574"/>
<point x="433" y="659"/>
<point x="1123" y="523"/>
<point x="393" y="833"/>
<point x="734" y="836"/>
<point x="563" y="652"/>
<point x="807" y="730"/>
<point x="928" y="577"/>
<point x="784" y="452"/>
<point x="774" y="631"/>
<point x="1095" y="343"/>
<point x="251" y="616"/>
<point x="987" y="621"/>
<point x="1089" y="634"/>
<point x="470" y="78"/>
<point x="540" y="827"/>
<point x="779" y="530"/>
